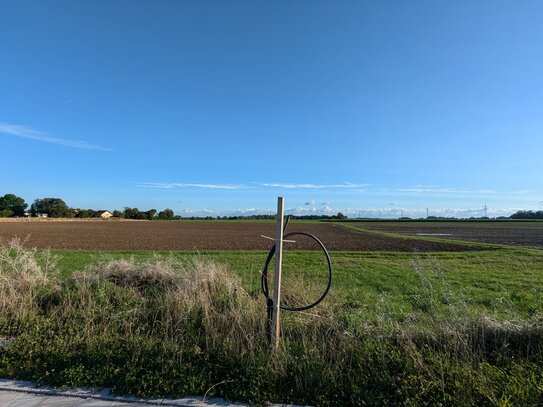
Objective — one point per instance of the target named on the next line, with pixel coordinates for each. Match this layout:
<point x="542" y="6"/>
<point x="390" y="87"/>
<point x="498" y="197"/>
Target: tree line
<point x="14" y="206"/>
<point x="527" y="215"/>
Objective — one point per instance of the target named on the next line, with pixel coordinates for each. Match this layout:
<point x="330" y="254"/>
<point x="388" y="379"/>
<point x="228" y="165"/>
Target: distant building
<point x="103" y="214"/>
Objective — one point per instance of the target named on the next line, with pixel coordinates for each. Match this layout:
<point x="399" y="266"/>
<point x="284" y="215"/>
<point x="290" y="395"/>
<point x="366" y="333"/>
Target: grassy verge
<point x="411" y="329"/>
<point x="492" y="282"/>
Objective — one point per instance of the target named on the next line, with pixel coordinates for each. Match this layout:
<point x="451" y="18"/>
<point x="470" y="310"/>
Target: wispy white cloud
<point x="304" y="210"/>
<point x="210" y="186"/>
<point x="155" y="185"/>
<point x="190" y="185"/>
<point x="395" y="212"/>
<point x="396" y="102"/>
<point x="225" y="212"/>
<point x="383" y="213"/>
<point x="254" y="211"/>
<point x="432" y="189"/>
<point x="33" y="134"/>
<point x="347" y="185"/>
<point x="254" y="185"/>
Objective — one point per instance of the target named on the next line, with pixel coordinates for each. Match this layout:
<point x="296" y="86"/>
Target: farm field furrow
<point x="526" y="233"/>
<point x="206" y="235"/>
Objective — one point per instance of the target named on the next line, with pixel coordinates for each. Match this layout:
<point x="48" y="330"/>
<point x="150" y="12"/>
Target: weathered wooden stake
<point x="276" y="323"/>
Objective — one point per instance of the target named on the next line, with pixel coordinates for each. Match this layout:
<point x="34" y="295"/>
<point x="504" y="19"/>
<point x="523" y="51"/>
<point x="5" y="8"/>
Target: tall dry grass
<point x="23" y="272"/>
<point x="169" y="297"/>
<point x="166" y="326"/>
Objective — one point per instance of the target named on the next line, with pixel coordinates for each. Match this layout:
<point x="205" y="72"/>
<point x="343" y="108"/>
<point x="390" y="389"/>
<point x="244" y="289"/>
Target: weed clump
<point x="171" y="327"/>
<point x="23" y="275"/>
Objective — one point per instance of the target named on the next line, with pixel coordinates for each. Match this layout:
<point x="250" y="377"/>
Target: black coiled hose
<point x="265" y="290"/>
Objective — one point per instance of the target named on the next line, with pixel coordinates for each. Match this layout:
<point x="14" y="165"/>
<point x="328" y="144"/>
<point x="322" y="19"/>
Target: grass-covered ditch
<point x="411" y="330"/>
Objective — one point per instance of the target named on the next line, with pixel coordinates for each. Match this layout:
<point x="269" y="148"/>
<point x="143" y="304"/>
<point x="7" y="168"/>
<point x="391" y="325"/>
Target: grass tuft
<point x="177" y="327"/>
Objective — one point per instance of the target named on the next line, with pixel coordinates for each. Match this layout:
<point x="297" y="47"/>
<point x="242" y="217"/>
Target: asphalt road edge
<point x="30" y="388"/>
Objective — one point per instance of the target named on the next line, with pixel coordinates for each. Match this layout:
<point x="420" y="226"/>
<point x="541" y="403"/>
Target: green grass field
<point x="499" y="282"/>
<point x="455" y="328"/>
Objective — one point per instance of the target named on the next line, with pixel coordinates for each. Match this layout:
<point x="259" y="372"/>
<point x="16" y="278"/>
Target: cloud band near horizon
<point x="345" y="186"/>
<point x="162" y="185"/>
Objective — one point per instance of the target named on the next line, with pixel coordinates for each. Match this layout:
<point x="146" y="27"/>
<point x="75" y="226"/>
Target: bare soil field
<point x="519" y="233"/>
<point x="205" y="235"/>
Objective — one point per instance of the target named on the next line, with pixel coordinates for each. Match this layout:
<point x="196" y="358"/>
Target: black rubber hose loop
<point x="264" y="279"/>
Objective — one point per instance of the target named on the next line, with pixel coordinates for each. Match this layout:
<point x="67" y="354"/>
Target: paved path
<point x="24" y="394"/>
<point x="15" y="393"/>
<point x="18" y="399"/>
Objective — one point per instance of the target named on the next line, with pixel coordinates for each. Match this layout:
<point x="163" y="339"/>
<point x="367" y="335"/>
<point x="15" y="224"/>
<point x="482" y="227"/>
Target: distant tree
<point x="150" y="214"/>
<point x="85" y="213"/>
<point x="527" y="215"/>
<point x="53" y="207"/>
<point x="131" y="213"/>
<point x="13" y="203"/>
<point x="6" y="213"/>
<point x="118" y="214"/>
<point x="70" y="213"/>
<point x="340" y="216"/>
<point x="166" y="214"/>
<point x="135" y="213"/>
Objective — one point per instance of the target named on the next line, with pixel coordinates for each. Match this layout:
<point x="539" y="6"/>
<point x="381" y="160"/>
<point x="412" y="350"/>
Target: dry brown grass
<point x="22" y="273"/>
<point x="150" y="320"/>
<point x="170" y="293"/>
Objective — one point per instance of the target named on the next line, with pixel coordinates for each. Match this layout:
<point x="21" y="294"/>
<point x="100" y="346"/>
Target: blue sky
<point x="221" y="106"/>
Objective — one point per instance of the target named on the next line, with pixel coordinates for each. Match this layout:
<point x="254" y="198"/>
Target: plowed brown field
<point x="205" y="235"/>
<point x="518" y="233"/>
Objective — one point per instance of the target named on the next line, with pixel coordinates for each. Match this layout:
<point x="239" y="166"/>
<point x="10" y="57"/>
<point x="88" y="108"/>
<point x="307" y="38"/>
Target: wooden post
<point x="276" y="324"/>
